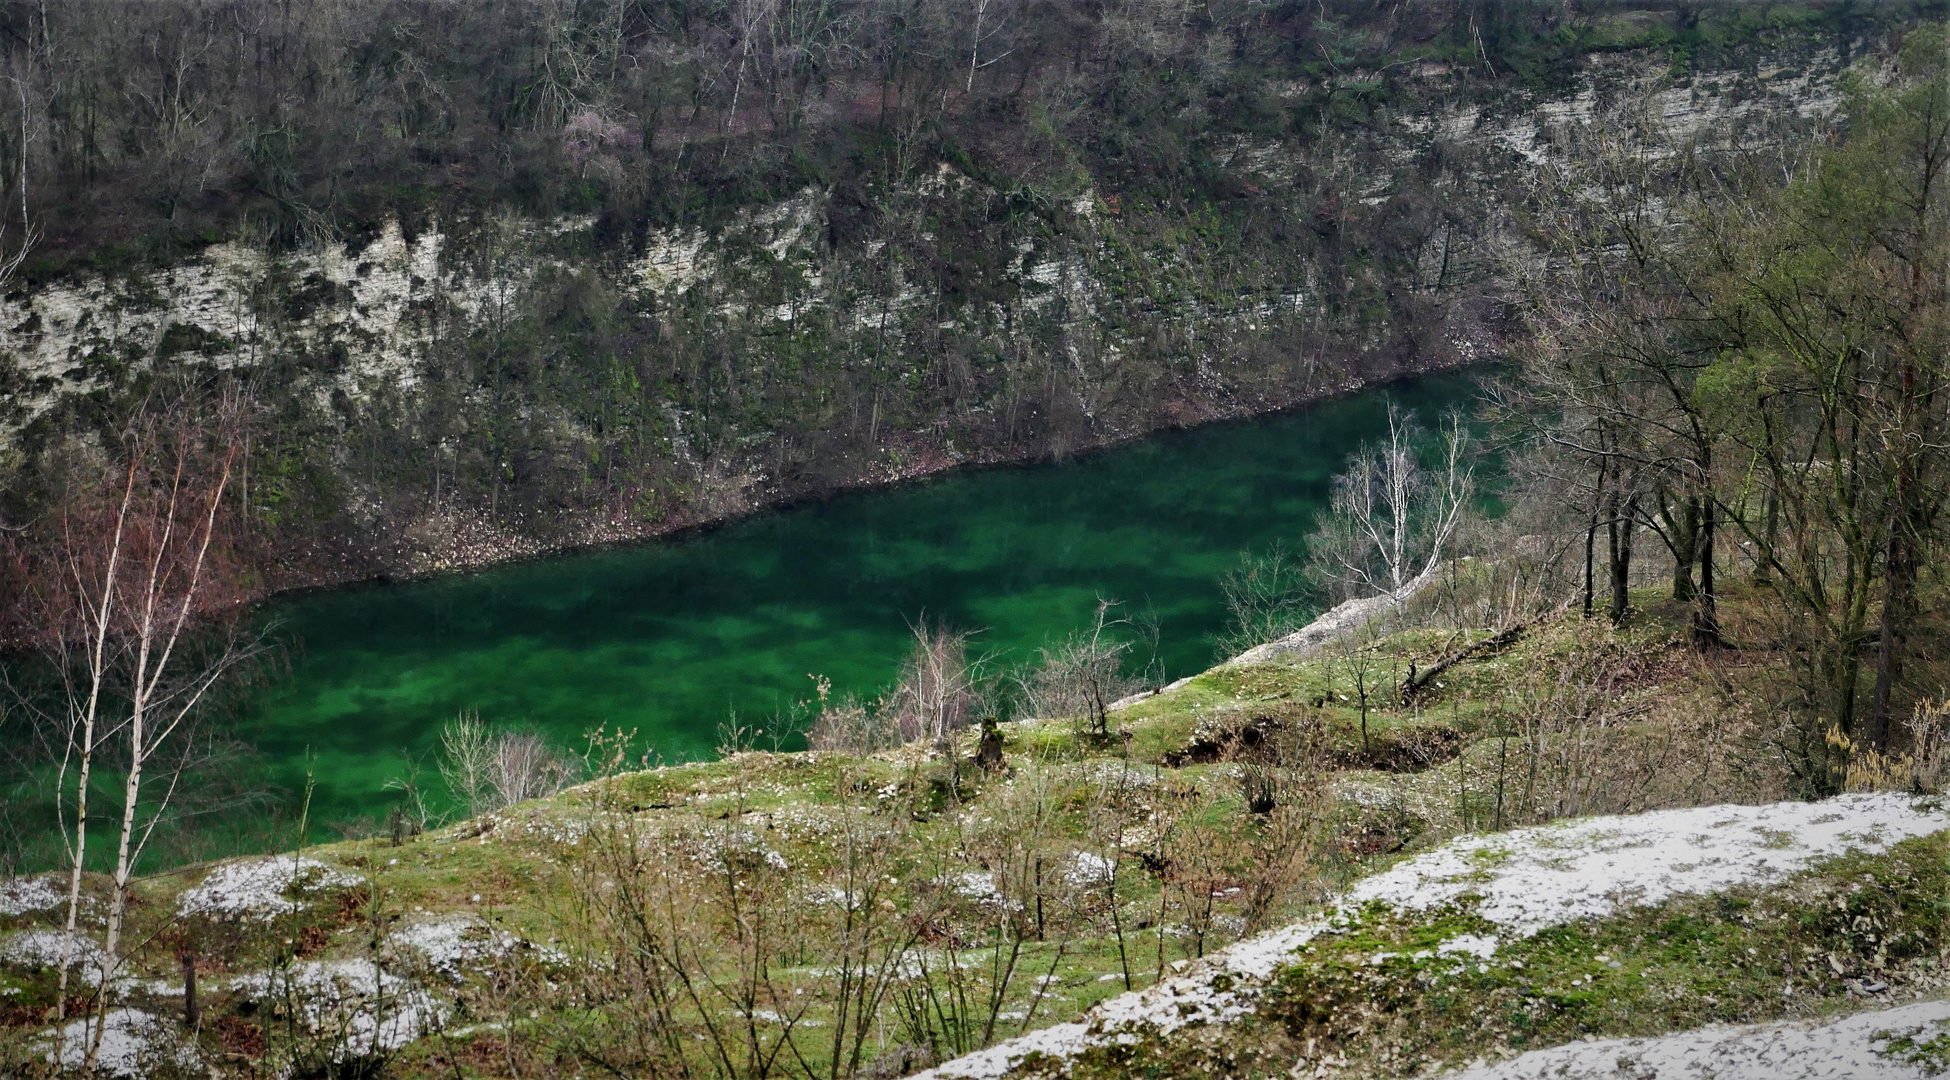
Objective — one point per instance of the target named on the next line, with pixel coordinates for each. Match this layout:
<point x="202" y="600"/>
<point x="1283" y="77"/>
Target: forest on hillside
<point x="153" y="129"/>
<point x="1720" y="336"/>
<point x="922" y="234"/>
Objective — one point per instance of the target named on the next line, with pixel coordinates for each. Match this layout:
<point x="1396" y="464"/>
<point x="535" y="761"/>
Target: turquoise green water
<point x="672" y="638"/>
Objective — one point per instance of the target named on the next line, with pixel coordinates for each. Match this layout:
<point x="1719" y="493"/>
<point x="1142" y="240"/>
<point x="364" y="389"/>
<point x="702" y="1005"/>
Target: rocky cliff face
<point x="455" y="390"/>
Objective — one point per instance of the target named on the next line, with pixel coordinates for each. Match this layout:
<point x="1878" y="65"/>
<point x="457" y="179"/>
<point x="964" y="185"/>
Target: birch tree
<point x="1391" y="519"/>
<point x="120" y="598"/>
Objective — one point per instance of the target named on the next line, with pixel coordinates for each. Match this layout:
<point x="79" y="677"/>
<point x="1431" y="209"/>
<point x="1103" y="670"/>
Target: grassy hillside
<point x="830" y="914"/>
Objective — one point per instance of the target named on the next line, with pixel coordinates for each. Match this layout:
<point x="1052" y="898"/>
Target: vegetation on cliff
<point x="510" y="276"/>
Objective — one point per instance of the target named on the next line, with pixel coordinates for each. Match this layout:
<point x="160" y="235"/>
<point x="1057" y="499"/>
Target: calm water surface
<point x="672" y="638"/>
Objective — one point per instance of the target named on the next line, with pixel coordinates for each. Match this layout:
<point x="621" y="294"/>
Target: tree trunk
<point x="1769" y="528"/>
<point x="98" y="659"/>
<point x="1684" y="527"/>
<point x="1620" y="530"/>
<point x="1591" y="533"/>
<point x="118" y="902"/>
<point x="1898" y="609"/>
<point x="70" y="930"/>
<point x="1706" y="612"/>
<point x="190" y="1014"/>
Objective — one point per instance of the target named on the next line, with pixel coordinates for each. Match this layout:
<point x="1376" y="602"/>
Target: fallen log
<point x="1418" y="681"/>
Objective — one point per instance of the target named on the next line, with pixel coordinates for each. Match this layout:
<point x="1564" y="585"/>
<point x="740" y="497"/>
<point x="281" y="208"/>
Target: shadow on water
<point x="670" y="638"/>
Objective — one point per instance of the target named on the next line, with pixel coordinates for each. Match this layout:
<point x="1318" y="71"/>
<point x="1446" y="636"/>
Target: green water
<point x="671" y="638"/>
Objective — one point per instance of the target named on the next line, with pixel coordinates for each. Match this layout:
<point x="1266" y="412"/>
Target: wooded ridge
<point x="507" y="277"/>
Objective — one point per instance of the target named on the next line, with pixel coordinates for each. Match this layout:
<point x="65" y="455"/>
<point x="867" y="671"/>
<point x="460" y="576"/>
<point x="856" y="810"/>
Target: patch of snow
<point x="261" y="888"/>
<point x="133" y="1043"/>
<point x="21" y="895"/>
<point x="42" y="948"/>
<point x="1852" y="1048"/>
<point x="1524" y="880"/>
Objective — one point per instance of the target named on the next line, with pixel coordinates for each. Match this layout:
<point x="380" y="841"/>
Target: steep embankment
<point x="458" y="386"/>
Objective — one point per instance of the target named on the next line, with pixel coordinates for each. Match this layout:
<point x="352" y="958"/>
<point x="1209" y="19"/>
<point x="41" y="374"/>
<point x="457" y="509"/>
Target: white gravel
<point x="979" y="886"/>
<point x="1524" y="881"/>
<point x="457" y="944"/>
<point x="261" y="888"/>
<point x="1531" y="879"/>
<point x="1087" y="868"/>
<point x="357" y="1007"/>
<point x="1337" y="623"/>
<point x="133" y="1044"/>
<point x="1852" y="1048"/>
<point x="20" y="895"/>
<point x="42" y="948"/>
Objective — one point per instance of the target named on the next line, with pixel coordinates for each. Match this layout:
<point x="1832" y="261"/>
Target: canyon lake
<point x="675" y="639"/>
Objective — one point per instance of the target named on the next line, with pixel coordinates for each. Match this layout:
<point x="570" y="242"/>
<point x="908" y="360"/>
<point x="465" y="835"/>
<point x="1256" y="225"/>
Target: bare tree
<point x="120" y="598"/>
<point x="467" y="762"/>
<point x="94" y="596"/>
<point x="1753" y="341"/>
<point x="1266" y="599"/>
<point x="1391" y="518"/>
<point x="981" y="34"/>
<point x="30" y="234"/>
<point x="1080" y="677"/>
<point x="485" y="770"/>
<point x="937" y="693"/>
<point x="172" y="579"/>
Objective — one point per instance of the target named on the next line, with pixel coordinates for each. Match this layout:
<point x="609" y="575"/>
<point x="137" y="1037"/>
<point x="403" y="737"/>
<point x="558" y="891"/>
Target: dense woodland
<point x="156" y="128"/>
<point x="1234" y="208"/>
<point x="1737" y="361"/>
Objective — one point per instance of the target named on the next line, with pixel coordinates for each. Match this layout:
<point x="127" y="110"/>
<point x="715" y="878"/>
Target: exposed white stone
<point x="1857" y="1047"/>
<point x="42" y="948"/>
<point x="1530" y="879"/>
<point x="133" y="1043"/>
<point x="1338" y="622"/>
<point x="261" y="888"/>
<point x="20" y="895"/>
<point x="457" y="944"/>
<point x="1523" y="881"/>
<point x="355" y="1005"/>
